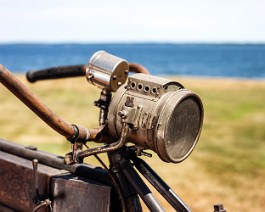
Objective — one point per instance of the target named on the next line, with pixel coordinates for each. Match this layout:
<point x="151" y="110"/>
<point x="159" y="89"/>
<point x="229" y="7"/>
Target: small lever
<point x="39" y="200"/>
<point x="35" y="163"/>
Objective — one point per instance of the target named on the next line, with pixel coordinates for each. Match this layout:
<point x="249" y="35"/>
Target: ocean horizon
<point x="235" y="60"/>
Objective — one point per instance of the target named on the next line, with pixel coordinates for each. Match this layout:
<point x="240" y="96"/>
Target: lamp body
<point x="164" y="116"/>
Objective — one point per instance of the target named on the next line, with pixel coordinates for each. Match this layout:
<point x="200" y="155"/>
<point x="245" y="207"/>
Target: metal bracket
<point x="130" y="114"/>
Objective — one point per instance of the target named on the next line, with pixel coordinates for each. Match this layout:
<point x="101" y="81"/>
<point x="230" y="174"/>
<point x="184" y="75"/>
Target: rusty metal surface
<point x="67" y="192"/>
<point x="79" y="194"/>
<point x="84" y="170"/>
<point x="4" y="208"/>
<point x="39" y="108"/>
<point x="17" y="184"/>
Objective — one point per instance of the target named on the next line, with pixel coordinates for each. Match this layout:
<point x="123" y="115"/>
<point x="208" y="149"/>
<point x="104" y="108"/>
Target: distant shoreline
<point x="234" y="60"/>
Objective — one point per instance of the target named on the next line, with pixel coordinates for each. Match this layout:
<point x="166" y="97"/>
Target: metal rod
<point x="35" y="163"/>
<point x="83" y="170"/>
<point x="115" y="183"/>
<point x="106" y="148"/>
<point x="160" y="185"/>
<point x="33" y="102"/>
<point x="132" y="202"/>
<point x="140" y="187"/>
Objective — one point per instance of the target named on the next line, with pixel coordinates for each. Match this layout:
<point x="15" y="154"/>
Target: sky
<point x="87" y="21"/>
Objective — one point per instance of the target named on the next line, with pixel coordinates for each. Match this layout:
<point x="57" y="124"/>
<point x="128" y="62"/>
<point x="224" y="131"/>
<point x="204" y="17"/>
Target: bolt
<point x="68" y="159"/>
<point x="135" y="127"/>
<point x="219" y="208"/>
<point x="122" y="114"/>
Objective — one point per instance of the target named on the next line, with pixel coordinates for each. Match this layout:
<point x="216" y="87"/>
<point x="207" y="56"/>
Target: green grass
<point x="233" y="139"/>
<point x="235" y="134"/>
<point x="228" y="164"/>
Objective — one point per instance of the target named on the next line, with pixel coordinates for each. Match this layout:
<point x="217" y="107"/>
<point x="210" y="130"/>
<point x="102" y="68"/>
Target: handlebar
<point x="32" y="101"/>
<point x="71" y="132"/>
<point x="72" y="71"/>
<point x="56" y="72"/>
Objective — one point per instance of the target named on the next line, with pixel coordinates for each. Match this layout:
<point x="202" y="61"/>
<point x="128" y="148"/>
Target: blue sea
<point x="203" y="60"/>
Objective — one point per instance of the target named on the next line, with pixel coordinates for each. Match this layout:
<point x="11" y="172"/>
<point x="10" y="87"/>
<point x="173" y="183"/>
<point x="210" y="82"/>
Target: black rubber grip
<point x="56" y="73"/>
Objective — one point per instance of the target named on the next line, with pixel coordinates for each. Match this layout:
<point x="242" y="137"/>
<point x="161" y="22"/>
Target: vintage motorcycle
<point x="145" y="113"/>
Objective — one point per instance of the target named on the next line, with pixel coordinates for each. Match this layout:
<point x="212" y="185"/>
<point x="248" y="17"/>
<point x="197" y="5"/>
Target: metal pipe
<point x="140" y="187"/>
<point x="33" y="102"/>
<point x="83" y="170"/>
<point x="106" y="148"/>
<point x="160" y="185"/>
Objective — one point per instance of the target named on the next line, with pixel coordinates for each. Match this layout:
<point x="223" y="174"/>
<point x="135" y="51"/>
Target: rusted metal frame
<point x="71" y="132"/>
<point x="115" y="183"/>
<point x="87" y="171"/>
<point x="160" y="185"/>
<point x="131" y="183"/>
<point x="128" y="195"/>
<point x="17" y="188"/>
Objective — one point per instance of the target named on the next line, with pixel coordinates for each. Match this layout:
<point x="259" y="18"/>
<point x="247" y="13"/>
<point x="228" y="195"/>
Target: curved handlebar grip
<point x="72" y="71"/>
<point x="56" y="73"/>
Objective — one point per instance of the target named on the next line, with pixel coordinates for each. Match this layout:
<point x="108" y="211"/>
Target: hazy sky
<point x="133" y="21"/>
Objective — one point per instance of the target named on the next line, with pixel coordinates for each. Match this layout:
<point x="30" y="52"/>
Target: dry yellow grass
<point x="227" y="166"/>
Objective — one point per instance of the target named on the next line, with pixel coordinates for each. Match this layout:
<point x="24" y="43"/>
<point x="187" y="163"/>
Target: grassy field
<point x="227" y="166"/>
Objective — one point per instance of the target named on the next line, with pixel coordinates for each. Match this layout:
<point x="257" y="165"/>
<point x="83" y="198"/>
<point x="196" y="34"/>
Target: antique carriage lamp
<point x="150" y="112"/>
<point x="161" y="114"/>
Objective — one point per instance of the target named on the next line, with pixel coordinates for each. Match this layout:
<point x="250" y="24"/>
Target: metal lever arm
<point x="35" y="176"/>
<point x="106" y="148"/>
<point x="71" y="132"/>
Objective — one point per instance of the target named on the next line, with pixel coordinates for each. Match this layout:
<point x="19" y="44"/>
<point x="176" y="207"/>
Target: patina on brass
<point x="163" y="116"/>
